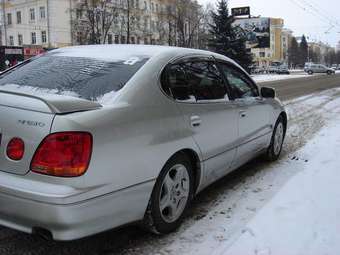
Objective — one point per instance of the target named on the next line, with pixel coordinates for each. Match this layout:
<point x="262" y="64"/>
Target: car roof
<point x="114" y="51"/>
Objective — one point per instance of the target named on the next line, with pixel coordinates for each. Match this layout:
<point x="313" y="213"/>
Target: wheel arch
<point x="285" y="120"/>
<point x="195" y="163"/>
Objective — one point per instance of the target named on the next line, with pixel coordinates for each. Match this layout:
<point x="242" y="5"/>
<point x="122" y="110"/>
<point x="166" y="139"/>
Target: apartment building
<point x="58" y="23"/>
<point x="33" y="23"/>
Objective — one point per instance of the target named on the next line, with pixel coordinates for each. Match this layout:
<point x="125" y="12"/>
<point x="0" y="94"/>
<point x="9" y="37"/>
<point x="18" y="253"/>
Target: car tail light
<point x="65" y="154"/>
<point x="15" y="148"/>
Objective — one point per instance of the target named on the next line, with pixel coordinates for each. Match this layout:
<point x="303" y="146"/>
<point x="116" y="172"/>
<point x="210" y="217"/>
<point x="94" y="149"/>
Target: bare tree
<point x="179" y="23"/>
<point x="93" y="20"/>
<point x="188" y="18"/>
<point x="204" y="27"/>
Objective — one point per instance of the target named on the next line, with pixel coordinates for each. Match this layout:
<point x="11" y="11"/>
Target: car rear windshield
<point x="84" y="77"/>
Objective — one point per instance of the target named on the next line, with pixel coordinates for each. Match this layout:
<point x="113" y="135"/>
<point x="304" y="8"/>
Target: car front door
<point x="201" y="95"/>
<point x="253" y="113"/>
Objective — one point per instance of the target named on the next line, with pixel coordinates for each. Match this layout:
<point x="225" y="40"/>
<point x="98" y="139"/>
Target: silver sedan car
<point x="95" y="137"/>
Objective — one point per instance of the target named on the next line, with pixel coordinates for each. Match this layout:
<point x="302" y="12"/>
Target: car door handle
<point x="243" y="114"/>
<point x="195" y="121"/>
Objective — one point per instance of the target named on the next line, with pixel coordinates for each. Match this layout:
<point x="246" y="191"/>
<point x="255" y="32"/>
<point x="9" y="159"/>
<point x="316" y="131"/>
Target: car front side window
<point x="238" y="82"/>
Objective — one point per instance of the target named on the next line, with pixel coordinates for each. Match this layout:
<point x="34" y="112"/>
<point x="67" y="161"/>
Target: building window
<point x="33" y="38"/>
<point x="152" y="25"/>
<point x="145" y="5"/>
<point x="123" y="39"/>
<point x="79" y="37"/>
<point x="133" y="40"/>
<point x="109" y="38"/>
<point x="32" y="14"/>
<point x="42" y="12"/>
<point x="11" y="40"/>
<point x="18" y="17"/>
<point x="20" y="40"/>
<point x="116" y="39"/>
<point x="152" y="7"/>
<point x="137" y="4"/>
<point x="145" y="22"/>
<point x="79" y="13"/>
<point x="262" y="54"/>
<point x="43" y="37"/>
<point x="9" y="18"/>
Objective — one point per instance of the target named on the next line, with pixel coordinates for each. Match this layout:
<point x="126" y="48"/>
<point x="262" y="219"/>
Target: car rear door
<point x="253" y="113"/>
<point x="201" y="95"/>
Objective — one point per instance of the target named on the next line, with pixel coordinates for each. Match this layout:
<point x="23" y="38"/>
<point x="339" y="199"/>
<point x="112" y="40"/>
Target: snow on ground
<point x="276" y="77"/>
<point x="286" y="207"/>
<point x="303" y="217"/>
<point x="296" y="70"/>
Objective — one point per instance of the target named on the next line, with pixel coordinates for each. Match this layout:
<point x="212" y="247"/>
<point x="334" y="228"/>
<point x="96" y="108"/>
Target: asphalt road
<point x="131" y="240"/>
<point x="291" y="88"/>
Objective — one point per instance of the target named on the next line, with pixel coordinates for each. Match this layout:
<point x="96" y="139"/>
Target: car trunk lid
<point x="30" y="118"/>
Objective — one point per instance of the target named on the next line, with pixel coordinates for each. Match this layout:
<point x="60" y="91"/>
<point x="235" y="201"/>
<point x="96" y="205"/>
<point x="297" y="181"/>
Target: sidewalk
<point x="304" y="216"/>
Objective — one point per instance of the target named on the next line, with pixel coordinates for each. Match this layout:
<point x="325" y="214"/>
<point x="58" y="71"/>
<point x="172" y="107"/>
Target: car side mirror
<point x="268" y="92"/>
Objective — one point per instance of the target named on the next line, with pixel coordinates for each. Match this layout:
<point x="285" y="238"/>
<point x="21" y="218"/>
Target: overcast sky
<point x="318" y="19"/>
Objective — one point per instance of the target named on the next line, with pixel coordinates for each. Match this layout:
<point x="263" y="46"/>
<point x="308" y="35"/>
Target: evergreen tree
<point x="227" y="39"/>
<point x="293" y="53"/>
<point x="303" y="51"/>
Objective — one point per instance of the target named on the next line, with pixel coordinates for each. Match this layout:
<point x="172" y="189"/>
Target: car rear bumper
<point x="75" y="220"/>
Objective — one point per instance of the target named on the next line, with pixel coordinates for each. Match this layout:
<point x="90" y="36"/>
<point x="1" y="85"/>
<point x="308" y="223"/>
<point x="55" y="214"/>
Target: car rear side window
<point x="176" y="84"/>
<point x="194" y="81"/>
<point x="85" y="77"/>
<point x="239" y="84"/>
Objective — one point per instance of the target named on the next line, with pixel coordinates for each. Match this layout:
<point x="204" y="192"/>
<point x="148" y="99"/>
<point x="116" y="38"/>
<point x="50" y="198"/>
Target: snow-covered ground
<point x="303" y="217"/>
<point x="277" y="77"/>
<point x="287" y="207"/>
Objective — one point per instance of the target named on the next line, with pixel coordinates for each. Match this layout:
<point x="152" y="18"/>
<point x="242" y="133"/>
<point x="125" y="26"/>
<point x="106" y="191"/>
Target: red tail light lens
<point x="15" y="149"/>
<point x="65" y="154"/>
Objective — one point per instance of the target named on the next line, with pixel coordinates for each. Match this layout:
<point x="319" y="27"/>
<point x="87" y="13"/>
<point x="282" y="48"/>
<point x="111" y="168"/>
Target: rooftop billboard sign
<point x="257" y="31"/>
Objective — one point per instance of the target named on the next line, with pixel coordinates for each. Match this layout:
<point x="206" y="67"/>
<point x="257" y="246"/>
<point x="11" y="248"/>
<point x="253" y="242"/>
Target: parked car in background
<point x="273" y="69"/>
<point x="318" y="68"/>
<point x="257" y="70"/>
<point x="95" y="137"/>
<point x="283" y="69"/>
<point x="336" y="67"/>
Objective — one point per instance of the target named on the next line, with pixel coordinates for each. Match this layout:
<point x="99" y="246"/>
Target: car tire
<point x="276" y="142"/>
<point x="310" y="72"/>
<point x="329" y="72"/>
<point x="175" y="187"/>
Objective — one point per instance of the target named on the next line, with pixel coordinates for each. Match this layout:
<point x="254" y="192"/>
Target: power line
<point x="310" y="8"/>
